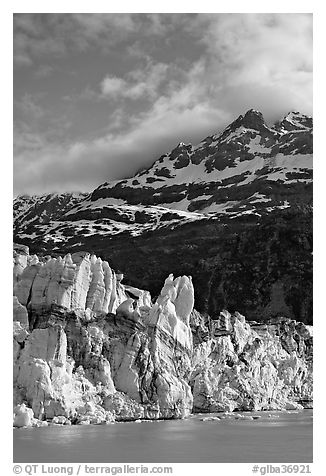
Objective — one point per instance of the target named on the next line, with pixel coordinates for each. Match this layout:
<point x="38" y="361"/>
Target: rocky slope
<point x="234" y="211"/>
<point x="29" y="211"/>
<point x="248" y="169"/>
<point x="243" y="169"/>
<point x="88" y="349"/>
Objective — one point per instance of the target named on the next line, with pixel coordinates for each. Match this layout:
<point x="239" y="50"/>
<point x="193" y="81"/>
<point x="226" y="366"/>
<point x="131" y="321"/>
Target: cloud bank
<point x="158" y="93"/>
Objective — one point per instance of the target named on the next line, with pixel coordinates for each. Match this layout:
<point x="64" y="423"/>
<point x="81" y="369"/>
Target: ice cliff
<point x="89" y="349"/>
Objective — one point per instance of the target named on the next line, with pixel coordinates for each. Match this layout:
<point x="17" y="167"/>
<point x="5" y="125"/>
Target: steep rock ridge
<point x="76" y="364"/>
<point x="294" y="121"/>
<point x="84" y="364"/>
<point x="248" y="157"/>
<point x="42" y="209"/>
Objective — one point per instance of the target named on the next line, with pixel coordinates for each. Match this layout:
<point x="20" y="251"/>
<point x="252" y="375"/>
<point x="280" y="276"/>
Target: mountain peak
<point x="294" y="120"/>
<point x="254" y="113"/>
<point x="252" y="119"/>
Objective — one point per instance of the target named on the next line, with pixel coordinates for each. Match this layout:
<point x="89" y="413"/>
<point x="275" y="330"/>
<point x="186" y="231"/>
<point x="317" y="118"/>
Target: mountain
<point x="39" y="210"/>
<point x="242" y="169"/>
<point x="234" y="211"/>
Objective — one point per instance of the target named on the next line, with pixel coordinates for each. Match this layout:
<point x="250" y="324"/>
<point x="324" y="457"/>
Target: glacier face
<point x="86" y="341"/>
<point x="89" y="349"/>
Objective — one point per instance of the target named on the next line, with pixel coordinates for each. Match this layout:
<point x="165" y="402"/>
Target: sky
<point x="99" y="96"/>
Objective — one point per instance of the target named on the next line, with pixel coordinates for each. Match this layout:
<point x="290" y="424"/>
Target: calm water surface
<point x="287" y="438"/>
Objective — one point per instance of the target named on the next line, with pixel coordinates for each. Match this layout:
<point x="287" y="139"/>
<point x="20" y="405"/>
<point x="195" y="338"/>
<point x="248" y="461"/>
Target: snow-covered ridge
<point x="250" y="168"/>
<point x="248" y="139"/>
<point x="45" y="204"/>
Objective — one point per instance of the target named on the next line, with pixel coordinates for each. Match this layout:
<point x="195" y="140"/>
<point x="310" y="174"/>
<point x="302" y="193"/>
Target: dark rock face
<point x="261" y="266"/>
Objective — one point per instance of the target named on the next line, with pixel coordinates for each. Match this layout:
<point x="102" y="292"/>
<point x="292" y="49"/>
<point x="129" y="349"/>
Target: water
<point x="287" y="438"/>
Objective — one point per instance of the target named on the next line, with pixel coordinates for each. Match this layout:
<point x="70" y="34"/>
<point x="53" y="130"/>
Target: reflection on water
<point x="287" y="438"/>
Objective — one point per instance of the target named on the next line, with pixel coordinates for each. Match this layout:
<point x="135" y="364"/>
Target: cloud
<point x="35" y="37"/>
<point x="38" y="36"/>
<point x="29" y="107"/>
<point x="85" y="164"/>
<point x="146" y="81"/>
<point x="113" y="86"/>
<point x="259" y="57"/>
<point x="138" y="83"/>
<point x="44" y="71"/>
<point x="41" y="35"/>
<point x="251" y="60"/>
<point x="261" y="61"/>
